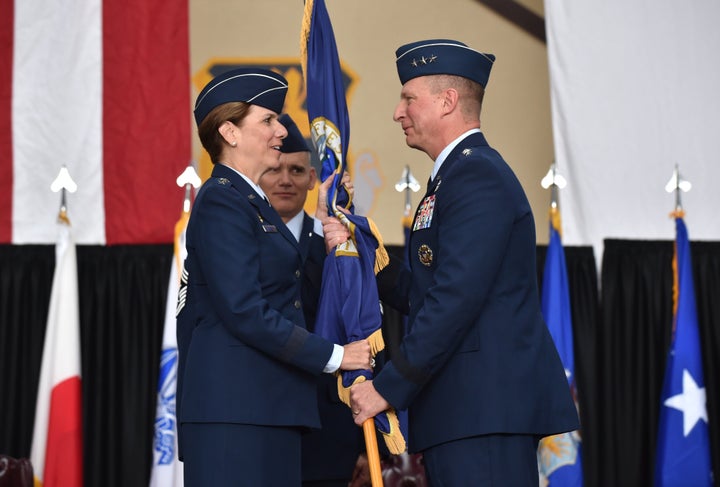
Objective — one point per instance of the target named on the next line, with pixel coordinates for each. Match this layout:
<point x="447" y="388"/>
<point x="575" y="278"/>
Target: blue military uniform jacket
<point x="245" y="354"/>
<point x="477" y="357"/>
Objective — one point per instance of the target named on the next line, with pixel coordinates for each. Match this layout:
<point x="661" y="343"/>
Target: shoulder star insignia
<point x="467" y="152"/>
<point x="414" y="63"/>
<point x="432" y="58"/>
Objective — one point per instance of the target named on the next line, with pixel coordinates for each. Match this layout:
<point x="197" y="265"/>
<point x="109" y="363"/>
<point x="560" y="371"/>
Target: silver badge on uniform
<point x="423" y="219"/>
<point x="425" y="254"/>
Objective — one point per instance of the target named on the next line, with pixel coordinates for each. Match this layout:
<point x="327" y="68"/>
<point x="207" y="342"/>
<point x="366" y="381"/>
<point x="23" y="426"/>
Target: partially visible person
<point x="329" y="455"/>
<point x="247" y="364"/>
<point x="477" y="368"/>
<point x="361" y="474"/>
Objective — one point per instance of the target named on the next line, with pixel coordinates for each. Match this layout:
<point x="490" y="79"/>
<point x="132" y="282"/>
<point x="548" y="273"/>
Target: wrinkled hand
<point x="335" y="232"/>
<point x="357" y="356"/>
<point x="321" y="210"/>
<point x="366" y="402"/>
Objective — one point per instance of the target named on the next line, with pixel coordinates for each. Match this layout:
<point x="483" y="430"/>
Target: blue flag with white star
<point x="559" y="460"/>
<point x="683" y="444"/>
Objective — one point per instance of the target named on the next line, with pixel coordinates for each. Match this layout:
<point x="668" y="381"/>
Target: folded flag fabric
<point x="350" y="310"/>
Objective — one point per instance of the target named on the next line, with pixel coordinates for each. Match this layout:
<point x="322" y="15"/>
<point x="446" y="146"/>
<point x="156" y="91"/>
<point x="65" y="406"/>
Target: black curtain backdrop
<point x="632" y="345"/>
<point x="621" y="346"/>
<point x="122" y="290"/>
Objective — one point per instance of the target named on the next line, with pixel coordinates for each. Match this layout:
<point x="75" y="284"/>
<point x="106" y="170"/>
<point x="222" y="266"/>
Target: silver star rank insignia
<point x="467" y="152"/>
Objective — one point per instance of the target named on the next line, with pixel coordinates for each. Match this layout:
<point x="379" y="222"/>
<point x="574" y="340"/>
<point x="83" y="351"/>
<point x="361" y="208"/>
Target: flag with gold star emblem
<point x="683" y="445"/>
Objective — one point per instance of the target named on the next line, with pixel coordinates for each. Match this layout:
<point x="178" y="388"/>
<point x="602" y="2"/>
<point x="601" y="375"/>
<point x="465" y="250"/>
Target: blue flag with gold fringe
<point x="559" y="459"/>
<point x="326" y="103"/>
<point x="683" y="444"/>
<point x="349" y="307"/>
<point x="350" y="310"/>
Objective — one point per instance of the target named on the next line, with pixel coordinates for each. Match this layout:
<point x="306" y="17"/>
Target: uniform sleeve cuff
<point x="335" y="359"/>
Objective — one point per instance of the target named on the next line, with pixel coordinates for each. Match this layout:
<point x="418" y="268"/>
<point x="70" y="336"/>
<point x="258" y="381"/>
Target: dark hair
<point x="210" y="137"/>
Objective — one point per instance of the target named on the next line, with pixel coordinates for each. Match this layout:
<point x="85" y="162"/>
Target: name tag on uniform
<point x="267" y="227"/>
<point x="423" y="219"/>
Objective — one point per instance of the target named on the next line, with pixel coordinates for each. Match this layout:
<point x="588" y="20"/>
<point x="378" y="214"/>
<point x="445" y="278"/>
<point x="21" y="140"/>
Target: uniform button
<point x="298" y="304"/>
<point x="297" y="273"/>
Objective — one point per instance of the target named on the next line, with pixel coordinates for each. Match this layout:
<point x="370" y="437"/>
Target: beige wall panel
<point x="516" y="112"/>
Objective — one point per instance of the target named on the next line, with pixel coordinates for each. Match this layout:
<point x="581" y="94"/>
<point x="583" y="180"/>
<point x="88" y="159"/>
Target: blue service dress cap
<point x="442" y="56"/>
<point x="250" y="85"/>
<point x="294" y="142"/>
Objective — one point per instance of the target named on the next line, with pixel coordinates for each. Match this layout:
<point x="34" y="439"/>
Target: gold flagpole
<point x="373" y="454"/>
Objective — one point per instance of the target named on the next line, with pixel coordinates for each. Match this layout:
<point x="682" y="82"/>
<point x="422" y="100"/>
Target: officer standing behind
<point x="329" y="455"/>
<point x="477" y="367"/>
<point x="247" y="364"/>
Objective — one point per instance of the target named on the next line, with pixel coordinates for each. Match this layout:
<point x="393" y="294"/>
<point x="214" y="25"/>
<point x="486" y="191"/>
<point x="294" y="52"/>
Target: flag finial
<point x="63" y="182"/>
<point x="554" y="181"/>
<point x="407" y="183"/>
<point x="677" y="184"/>
<point x="189" y="179"/>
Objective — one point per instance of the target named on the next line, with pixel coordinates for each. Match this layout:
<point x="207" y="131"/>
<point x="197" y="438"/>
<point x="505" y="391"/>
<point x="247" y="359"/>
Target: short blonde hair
<point x="470" y="93"/>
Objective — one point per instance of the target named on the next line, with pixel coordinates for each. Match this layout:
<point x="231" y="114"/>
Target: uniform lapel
<point x="265" y="211"/>
<point x="473" y="140"/>
<point x="305" y="236"/>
